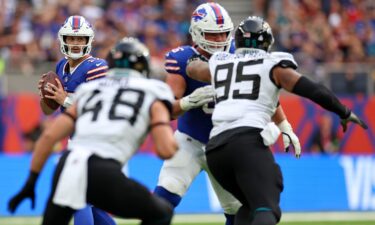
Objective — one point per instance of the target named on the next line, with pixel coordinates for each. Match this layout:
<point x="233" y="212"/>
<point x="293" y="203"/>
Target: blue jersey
<point x="90" y="69"/>
<point x="196" y="122"/>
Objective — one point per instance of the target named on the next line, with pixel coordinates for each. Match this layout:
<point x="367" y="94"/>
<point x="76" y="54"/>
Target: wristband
<point x="67" y="102"/>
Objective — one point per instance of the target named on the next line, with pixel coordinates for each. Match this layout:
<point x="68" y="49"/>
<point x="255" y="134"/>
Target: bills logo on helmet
<point x="199" y="14"/>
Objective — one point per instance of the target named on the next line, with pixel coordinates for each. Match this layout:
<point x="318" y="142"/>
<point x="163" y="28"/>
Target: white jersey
<point x="245" y="92"/>
<point x="114" y="115"/>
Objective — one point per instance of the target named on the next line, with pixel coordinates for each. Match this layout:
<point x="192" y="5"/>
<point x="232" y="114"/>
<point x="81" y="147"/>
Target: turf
<point x="36" y="220"/>
<point x="288" y="223"/>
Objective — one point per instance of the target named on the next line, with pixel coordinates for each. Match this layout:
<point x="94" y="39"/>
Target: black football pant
<point x="245" y="167"/>
<point x="110" y="190"/>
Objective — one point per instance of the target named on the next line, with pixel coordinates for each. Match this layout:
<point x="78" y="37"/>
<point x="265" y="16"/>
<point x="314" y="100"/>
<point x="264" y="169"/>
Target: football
<point x="49" y="77"/>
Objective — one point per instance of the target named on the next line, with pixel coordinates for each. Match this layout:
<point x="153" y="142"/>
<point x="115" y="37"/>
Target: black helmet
<point x="254" y="32"/>
<point x="130" y="53"/>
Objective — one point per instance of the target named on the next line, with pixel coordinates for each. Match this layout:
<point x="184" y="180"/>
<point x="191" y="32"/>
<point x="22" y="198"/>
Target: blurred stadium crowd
<point x="315" y="31"/>
<point x="28" y="28"/>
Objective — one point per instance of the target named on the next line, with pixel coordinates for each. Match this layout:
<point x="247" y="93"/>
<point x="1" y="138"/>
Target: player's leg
<point x="56" y="215"/>
<point x="101" y="217"/>
<point x="124" y="197"/>
<point x="264" y="218"/>
<point x="177" y="173"/>
<point x="227" y="201"/>
<point x="220" y="163"/>
<point x="84" y="216"/>
<point x="262" y="195"/>
<point x="91" y="215"/>
<point x="231" y="161"/>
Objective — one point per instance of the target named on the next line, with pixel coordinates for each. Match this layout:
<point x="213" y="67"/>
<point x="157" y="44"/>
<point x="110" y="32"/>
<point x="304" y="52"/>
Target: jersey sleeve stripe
<point x="96" y="76"/>
<point x="97" y="69"/>
<point x="173" y="68"/>
<point x="171" y="61"/>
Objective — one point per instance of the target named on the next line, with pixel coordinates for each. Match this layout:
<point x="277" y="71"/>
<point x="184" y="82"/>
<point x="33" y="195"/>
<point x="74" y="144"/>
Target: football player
<point x="211" y="28"/>
<point x="78" y="66"/>
<point x="237" y="153"/>
<point x="111" y="118"/>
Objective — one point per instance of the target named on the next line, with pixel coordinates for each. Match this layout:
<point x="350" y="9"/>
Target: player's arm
<point x="178" y="85"/>
<point x="289" y="137"/>
<point x="199" y="70"/>
<point x="161" y="131"/>
<point x="293" y="82"/>
<point x="61" y="127"/>
<point x="279" y="115"/>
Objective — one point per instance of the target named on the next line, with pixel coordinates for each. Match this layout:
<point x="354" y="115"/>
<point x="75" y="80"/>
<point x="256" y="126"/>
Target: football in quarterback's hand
<point x="49" y="77"/>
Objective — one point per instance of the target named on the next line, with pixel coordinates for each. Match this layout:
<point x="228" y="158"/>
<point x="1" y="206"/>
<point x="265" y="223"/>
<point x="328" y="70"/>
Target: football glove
<point x="289" y="137"/>
<point x="28" y="191"/>
<point x="199" y="97"/>
<point x="352" y="118"/>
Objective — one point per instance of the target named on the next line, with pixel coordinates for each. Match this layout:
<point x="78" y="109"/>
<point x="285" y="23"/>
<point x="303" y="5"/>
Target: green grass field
<point x="326" y="218"/>
<point x="9" y="221"/>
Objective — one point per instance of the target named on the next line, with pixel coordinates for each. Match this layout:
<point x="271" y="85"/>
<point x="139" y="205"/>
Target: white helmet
<point x="76" y="26"/>
<point x="211" y="18"/>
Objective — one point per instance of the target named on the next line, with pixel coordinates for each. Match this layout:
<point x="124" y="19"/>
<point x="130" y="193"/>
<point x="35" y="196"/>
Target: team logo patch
<point x="199" y="14"/>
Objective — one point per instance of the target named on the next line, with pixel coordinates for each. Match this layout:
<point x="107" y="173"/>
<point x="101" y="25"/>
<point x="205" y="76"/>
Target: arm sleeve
<point x="321" y="96"/>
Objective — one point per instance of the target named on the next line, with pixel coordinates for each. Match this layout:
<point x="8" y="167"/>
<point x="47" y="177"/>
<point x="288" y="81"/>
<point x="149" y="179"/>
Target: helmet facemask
<point x="211" y="18"/>
<point x="66" y="48"/>
<point x="76" y="26"/>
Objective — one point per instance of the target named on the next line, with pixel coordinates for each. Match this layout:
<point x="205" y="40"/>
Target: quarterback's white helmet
<point x="211" y="18"/>
<point x="76" y="26"/>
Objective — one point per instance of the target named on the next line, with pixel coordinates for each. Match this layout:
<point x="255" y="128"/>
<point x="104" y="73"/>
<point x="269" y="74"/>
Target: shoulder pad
<point x="220" y="56"/>
<point x="162" y="91"/>
<point x="59" y="64"/>
<point x="284" y="59"/>
<point x="97" y="68"/>
<point x="176" y="59"/>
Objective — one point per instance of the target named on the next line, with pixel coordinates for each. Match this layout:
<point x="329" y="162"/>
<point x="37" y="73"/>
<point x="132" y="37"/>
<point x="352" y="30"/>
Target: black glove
<point x="28" y="191"/>
<point x="352" y="118"/>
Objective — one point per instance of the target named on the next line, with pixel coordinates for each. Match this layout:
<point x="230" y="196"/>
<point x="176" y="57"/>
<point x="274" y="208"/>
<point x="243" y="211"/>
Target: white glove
<point x="270" y="134"/>
<point x="288" y="137"/>
<point x="199" y="97"/>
